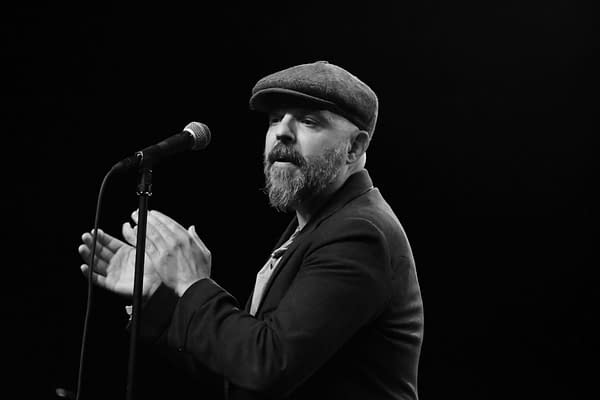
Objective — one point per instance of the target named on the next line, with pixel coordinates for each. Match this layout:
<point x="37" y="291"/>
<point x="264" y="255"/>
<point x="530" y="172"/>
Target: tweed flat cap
<point x="320" y="84"/>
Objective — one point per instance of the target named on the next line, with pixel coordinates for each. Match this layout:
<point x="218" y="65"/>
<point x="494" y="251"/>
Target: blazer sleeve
<point x="343" y="283"/>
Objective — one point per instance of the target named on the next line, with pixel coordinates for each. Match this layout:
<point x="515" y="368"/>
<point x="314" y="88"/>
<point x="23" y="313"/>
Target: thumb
<point x="129" y="233"/>
<point x="134" y="215"/>
<point x="192" y="231"/>
<point x="196" y="238"/>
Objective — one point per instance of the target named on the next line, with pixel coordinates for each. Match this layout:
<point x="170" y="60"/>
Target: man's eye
<point x="274" y="119"/>
<point x="309" y="121"/>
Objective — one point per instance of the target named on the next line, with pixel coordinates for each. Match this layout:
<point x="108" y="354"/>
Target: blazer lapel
<point x="356" y="185"/>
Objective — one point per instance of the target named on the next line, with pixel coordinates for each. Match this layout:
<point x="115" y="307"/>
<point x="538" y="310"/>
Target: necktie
<point x="262" y="278"/>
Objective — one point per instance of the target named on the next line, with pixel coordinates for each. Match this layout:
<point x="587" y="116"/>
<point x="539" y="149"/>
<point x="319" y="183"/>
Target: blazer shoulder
<point x="367" y="214"/>
<point x="370" y="208"/>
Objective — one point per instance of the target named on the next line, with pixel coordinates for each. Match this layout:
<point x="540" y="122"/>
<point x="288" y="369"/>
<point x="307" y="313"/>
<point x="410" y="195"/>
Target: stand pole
<point x="144" y="191"/>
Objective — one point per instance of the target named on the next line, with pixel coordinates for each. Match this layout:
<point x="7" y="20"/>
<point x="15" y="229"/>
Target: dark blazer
<point x="341" y="318"/>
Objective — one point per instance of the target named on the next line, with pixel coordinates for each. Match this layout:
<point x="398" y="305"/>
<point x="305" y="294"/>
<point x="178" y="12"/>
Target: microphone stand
<point x="144" y="191"/>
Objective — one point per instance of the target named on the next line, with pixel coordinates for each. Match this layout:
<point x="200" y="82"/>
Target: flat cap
<point x="320" y="84"/>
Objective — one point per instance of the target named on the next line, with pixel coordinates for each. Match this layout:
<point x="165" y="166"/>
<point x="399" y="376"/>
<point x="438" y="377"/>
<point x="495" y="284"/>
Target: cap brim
<point x="268" y="99"/>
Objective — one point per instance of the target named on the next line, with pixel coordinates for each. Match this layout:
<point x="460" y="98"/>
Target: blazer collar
<point x="356" y="185"/>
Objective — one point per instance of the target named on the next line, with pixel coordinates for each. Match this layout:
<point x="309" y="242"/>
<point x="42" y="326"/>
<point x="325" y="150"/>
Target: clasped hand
<point x="174" y="256"/>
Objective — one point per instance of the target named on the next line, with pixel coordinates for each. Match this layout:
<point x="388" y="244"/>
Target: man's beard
<point x="289" y="187"/>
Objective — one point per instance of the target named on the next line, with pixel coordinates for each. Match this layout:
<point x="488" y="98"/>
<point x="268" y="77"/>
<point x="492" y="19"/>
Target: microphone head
<point x="200" y="134"/>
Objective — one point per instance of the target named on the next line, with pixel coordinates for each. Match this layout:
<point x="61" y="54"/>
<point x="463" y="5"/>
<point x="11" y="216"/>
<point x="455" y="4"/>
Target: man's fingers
<point x="168" y="222"/>
<point x="101" y="265"/>
<point x="106" y="240"/>
<point x="130" y="234"/>
<point x="102" y="252"/>
<point x="162" y="232"/>
<point x="96" y="278"/>
<point x="168" y="229"/>
<point x="155" y="241"/>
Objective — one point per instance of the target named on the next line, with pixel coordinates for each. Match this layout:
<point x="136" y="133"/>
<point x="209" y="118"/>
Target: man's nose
<point x="285" y="130"/>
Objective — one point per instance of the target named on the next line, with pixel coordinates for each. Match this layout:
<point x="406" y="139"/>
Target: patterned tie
<point x="262" y="278"/>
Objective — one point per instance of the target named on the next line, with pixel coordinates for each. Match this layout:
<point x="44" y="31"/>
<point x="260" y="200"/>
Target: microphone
<point x="195" y="136"/>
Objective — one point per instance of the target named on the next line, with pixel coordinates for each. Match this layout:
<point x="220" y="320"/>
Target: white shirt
<point x="263" y="276"/>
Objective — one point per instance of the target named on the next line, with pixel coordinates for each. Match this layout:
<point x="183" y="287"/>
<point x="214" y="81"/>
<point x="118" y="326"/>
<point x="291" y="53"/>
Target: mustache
<point x="285" y="153"/>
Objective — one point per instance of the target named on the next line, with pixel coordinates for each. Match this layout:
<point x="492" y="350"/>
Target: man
<point x="336" y="311"/>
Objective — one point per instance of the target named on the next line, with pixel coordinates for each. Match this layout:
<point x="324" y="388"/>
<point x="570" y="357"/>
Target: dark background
<point x="483" y="147"/>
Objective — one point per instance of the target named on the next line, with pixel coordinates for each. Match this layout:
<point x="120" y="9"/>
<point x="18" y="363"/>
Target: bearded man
<point x="336" y="310"/>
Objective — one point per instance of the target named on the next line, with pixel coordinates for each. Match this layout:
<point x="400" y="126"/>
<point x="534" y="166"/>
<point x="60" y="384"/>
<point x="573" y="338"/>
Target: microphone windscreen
<point x="201" y="134"/>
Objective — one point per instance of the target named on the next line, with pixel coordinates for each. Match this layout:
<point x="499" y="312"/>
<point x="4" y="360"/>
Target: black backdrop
<point x="483" y="148"/>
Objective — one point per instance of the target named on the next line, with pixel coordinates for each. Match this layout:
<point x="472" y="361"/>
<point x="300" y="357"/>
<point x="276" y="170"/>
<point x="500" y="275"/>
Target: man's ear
<point x="358" y="146"/>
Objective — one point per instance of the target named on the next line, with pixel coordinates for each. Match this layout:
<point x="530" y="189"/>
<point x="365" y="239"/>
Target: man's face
<point x="305" y="150"/>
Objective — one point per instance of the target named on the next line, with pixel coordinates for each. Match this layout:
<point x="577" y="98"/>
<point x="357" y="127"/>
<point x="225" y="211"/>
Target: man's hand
<point x="178" y="254"/>
<point x="115" y="262"/>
